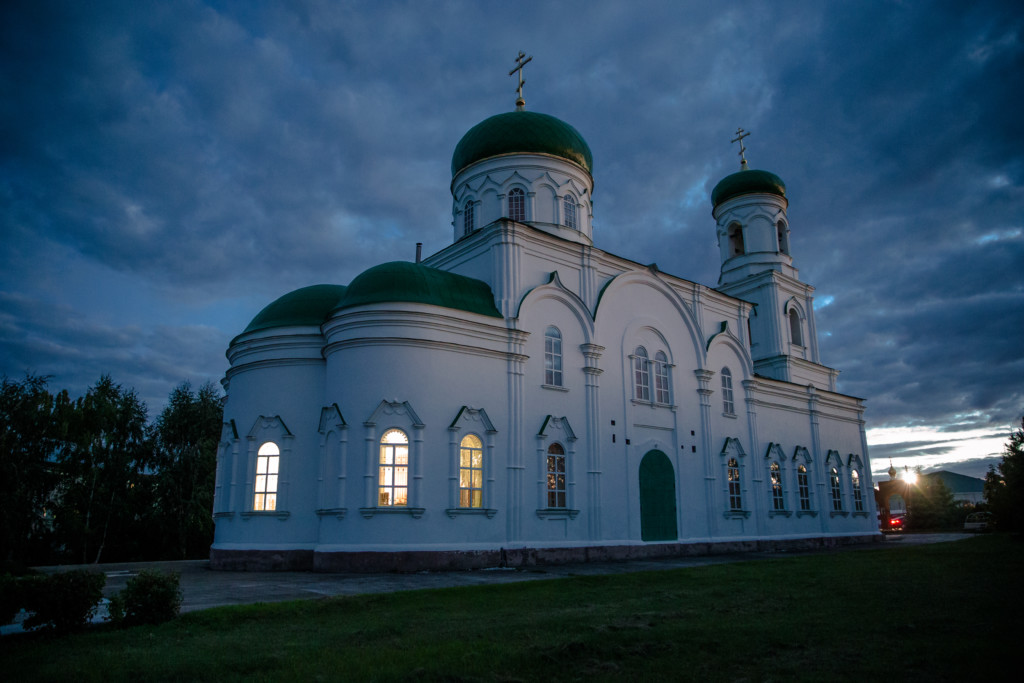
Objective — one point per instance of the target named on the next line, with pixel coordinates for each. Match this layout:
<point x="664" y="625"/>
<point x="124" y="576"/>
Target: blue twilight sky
<point x="169" y="168"/>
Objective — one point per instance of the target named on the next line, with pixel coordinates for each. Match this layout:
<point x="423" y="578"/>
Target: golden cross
<point x="740" y="134"/>
<point x="520" y="63"/>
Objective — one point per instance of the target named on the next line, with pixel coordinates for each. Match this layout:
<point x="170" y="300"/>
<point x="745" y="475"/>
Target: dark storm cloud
<point x="230" y="152"/>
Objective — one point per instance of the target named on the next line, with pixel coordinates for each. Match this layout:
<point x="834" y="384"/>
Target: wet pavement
<point x="203" y="588"/>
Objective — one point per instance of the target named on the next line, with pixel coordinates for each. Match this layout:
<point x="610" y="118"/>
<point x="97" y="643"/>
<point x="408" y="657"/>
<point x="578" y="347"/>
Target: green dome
<point x="306" y="306"/>
<point x="415" y="283"/>
<point x="521" y="132"/>
<point x="748" y="181"/>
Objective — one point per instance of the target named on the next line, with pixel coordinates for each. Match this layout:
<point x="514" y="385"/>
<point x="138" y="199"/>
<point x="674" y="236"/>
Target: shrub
<point x="64" y="601"/>
<point x="151" y="597"/>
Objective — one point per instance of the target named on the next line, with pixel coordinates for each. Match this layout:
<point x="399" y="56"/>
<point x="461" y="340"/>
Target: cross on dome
<point x="520" y="63"/>
<point x="740" y="134"/>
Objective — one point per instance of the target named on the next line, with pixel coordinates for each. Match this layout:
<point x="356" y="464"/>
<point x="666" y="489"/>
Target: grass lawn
<point x="936" y="612"/>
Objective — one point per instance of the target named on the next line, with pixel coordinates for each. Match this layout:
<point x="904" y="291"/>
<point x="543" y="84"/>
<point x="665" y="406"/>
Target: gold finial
<point x="740" y="134"/>
<point x="520" y="63"/>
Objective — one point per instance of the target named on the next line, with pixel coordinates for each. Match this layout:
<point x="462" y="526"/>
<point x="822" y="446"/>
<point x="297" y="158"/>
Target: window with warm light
<point x="662" y="388"/>
<point x="471" y="472"/>
<point x="517" y="204"/>
<point x="803" y="488"/>
<point x="727" y="401"/>
<point x="735" y="496"/>
<point x="641" y="375"/>
<point x="268" y="460"/>
<point x="553" y="357"/>
<point x="837" y="493"/>
<point x="778" y="499"/>
<point x="393" y="469"/>
<point x="858" y="496"/>
<point x="556" y="476"/>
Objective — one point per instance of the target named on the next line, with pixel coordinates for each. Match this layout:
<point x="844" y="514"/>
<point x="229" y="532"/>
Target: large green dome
<point x="306" y="306"/>
<point x="522" y="132"/>
<point x="747" y="181"/>
<point x="402" y="281"/>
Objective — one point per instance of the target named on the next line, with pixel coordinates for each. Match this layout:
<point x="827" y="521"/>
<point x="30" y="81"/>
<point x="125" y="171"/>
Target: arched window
<point x="837" y="492"/>
<point x="803" y="488"/>
<point x="858" y="496"/>
<point x="468" y="218"/>
<point x="727" y="403"/>
<point x="556" y="476"/>
<point x="267" y="463"/>
<point x="662" y="388"/>
<point x="517" y="204"/>
<point x="736" y="246"/>
<point x="778" y="500"/>
<point x="795" y="331"/>
<point x="641" y="375"/>
<point x="569" y="209"/>
<point x="471" y="472"/>
<point x="393" y="471"/>
<point x="553" y="357"/>
<point x="783" y="238"/>
<point x="735" y="497"/>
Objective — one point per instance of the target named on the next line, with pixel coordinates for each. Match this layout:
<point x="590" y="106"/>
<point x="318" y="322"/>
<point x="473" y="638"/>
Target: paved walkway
<point x="204" y="588"/>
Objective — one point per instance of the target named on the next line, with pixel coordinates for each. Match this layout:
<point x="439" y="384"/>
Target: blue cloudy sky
<point x="168" y="168"/>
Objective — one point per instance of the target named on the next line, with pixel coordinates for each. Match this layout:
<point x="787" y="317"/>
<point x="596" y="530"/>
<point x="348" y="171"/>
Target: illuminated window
<point x="837" y="494"/>
<point x="471" y="472"/>
<point x="467" y="218"/>
<point x="858" y="497"/>
<point x="662" y="388"/>
<point x="517" y="205"/>
<point x="268" y="460"/>
<point x="803" y="487"/>
<point x="393" y="471"/>
<point x="556" y="476"/>
<point x="778" y="501"/>
<point x="735" y="498"/>
<point x="553" y="357"/>
<point x="641" y="375"/>
<point x="569" y="207"/>
<point x="727" y="402"/>
<point x="794" y="328"/>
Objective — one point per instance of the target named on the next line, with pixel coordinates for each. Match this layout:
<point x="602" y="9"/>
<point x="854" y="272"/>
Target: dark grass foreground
<point x="938" y="612"/>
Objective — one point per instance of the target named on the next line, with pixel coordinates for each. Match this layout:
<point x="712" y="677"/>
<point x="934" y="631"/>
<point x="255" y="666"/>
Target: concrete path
<point x="204" y="588"/>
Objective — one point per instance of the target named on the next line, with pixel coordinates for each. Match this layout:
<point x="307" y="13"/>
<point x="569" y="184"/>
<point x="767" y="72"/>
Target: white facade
<point x="599" y="409"/>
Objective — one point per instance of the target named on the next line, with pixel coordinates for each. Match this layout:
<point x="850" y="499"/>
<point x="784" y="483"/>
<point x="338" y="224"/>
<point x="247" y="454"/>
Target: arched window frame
<point x="662" y="379"/>
<point x="782" y="235"/>
<point x="734" y="234"/>
<point x="552" y="357"/>
<point x="393" y="415"/>
<point x="555" y="477"/>
<point x="268" y="467"/>
<point x="393" y="469"/>
<point x="728" y="404"/>
<point x="517" y="204"/>
<point x="804" y="483"/>
<point x="858" y="493"/>
<point x="268" y="430"/>
<point x="796" y="332"/>
<point x="468" y="218"/>
<point x="733" y="478"/>
<point x="555" y="468"/>
<point x="735" y="484"/>
<point x="471" y="472"/>
<point x="569" y="212"/>
<point x="775" y="483"/>
<point x="641" y="375"/>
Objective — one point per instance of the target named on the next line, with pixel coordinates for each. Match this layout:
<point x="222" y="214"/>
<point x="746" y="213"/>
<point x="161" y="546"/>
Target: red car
<point x="894" y="523"/>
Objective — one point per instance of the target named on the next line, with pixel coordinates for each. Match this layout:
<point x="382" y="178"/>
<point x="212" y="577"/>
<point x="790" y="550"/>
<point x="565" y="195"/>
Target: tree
<point x="932" y="505"/>
<point x="1004" y="485"/>
<point x="102" y="462"/>
<point x="28" y="438"/>
<point x="185" y="461"/>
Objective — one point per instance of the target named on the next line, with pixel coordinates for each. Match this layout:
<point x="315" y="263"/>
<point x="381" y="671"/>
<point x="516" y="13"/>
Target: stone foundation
<point x="458" y="560"/>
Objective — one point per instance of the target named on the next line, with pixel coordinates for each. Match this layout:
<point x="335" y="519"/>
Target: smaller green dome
<point x="415" y="283"/>
<point x="306" y="306"/>
<point x="522" y="132"/>
<point x="748" y="181"/>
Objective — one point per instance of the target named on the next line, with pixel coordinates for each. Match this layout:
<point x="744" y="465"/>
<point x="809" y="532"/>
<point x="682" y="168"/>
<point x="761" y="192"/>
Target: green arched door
<point x="657" y="498"/>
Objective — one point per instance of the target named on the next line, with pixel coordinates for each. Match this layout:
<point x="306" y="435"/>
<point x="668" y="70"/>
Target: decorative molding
<point x="415" y="513"/>
<point x="780" y="513"/>
<point x="839" y="513"/>
<point x="736" y="514"/>
<point x="806" y="513"/>
<point x="456" y="512"/>
<point x="557" y="513"/>
<point x="280" y="514"/>
<point x="332" y="512"/>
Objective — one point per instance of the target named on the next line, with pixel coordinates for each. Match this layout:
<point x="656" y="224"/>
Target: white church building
<point x="522" y="396"/>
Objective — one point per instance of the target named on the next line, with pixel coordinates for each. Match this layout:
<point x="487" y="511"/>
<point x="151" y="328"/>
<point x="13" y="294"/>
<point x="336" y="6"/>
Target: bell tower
<point x="757" y="266"/>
